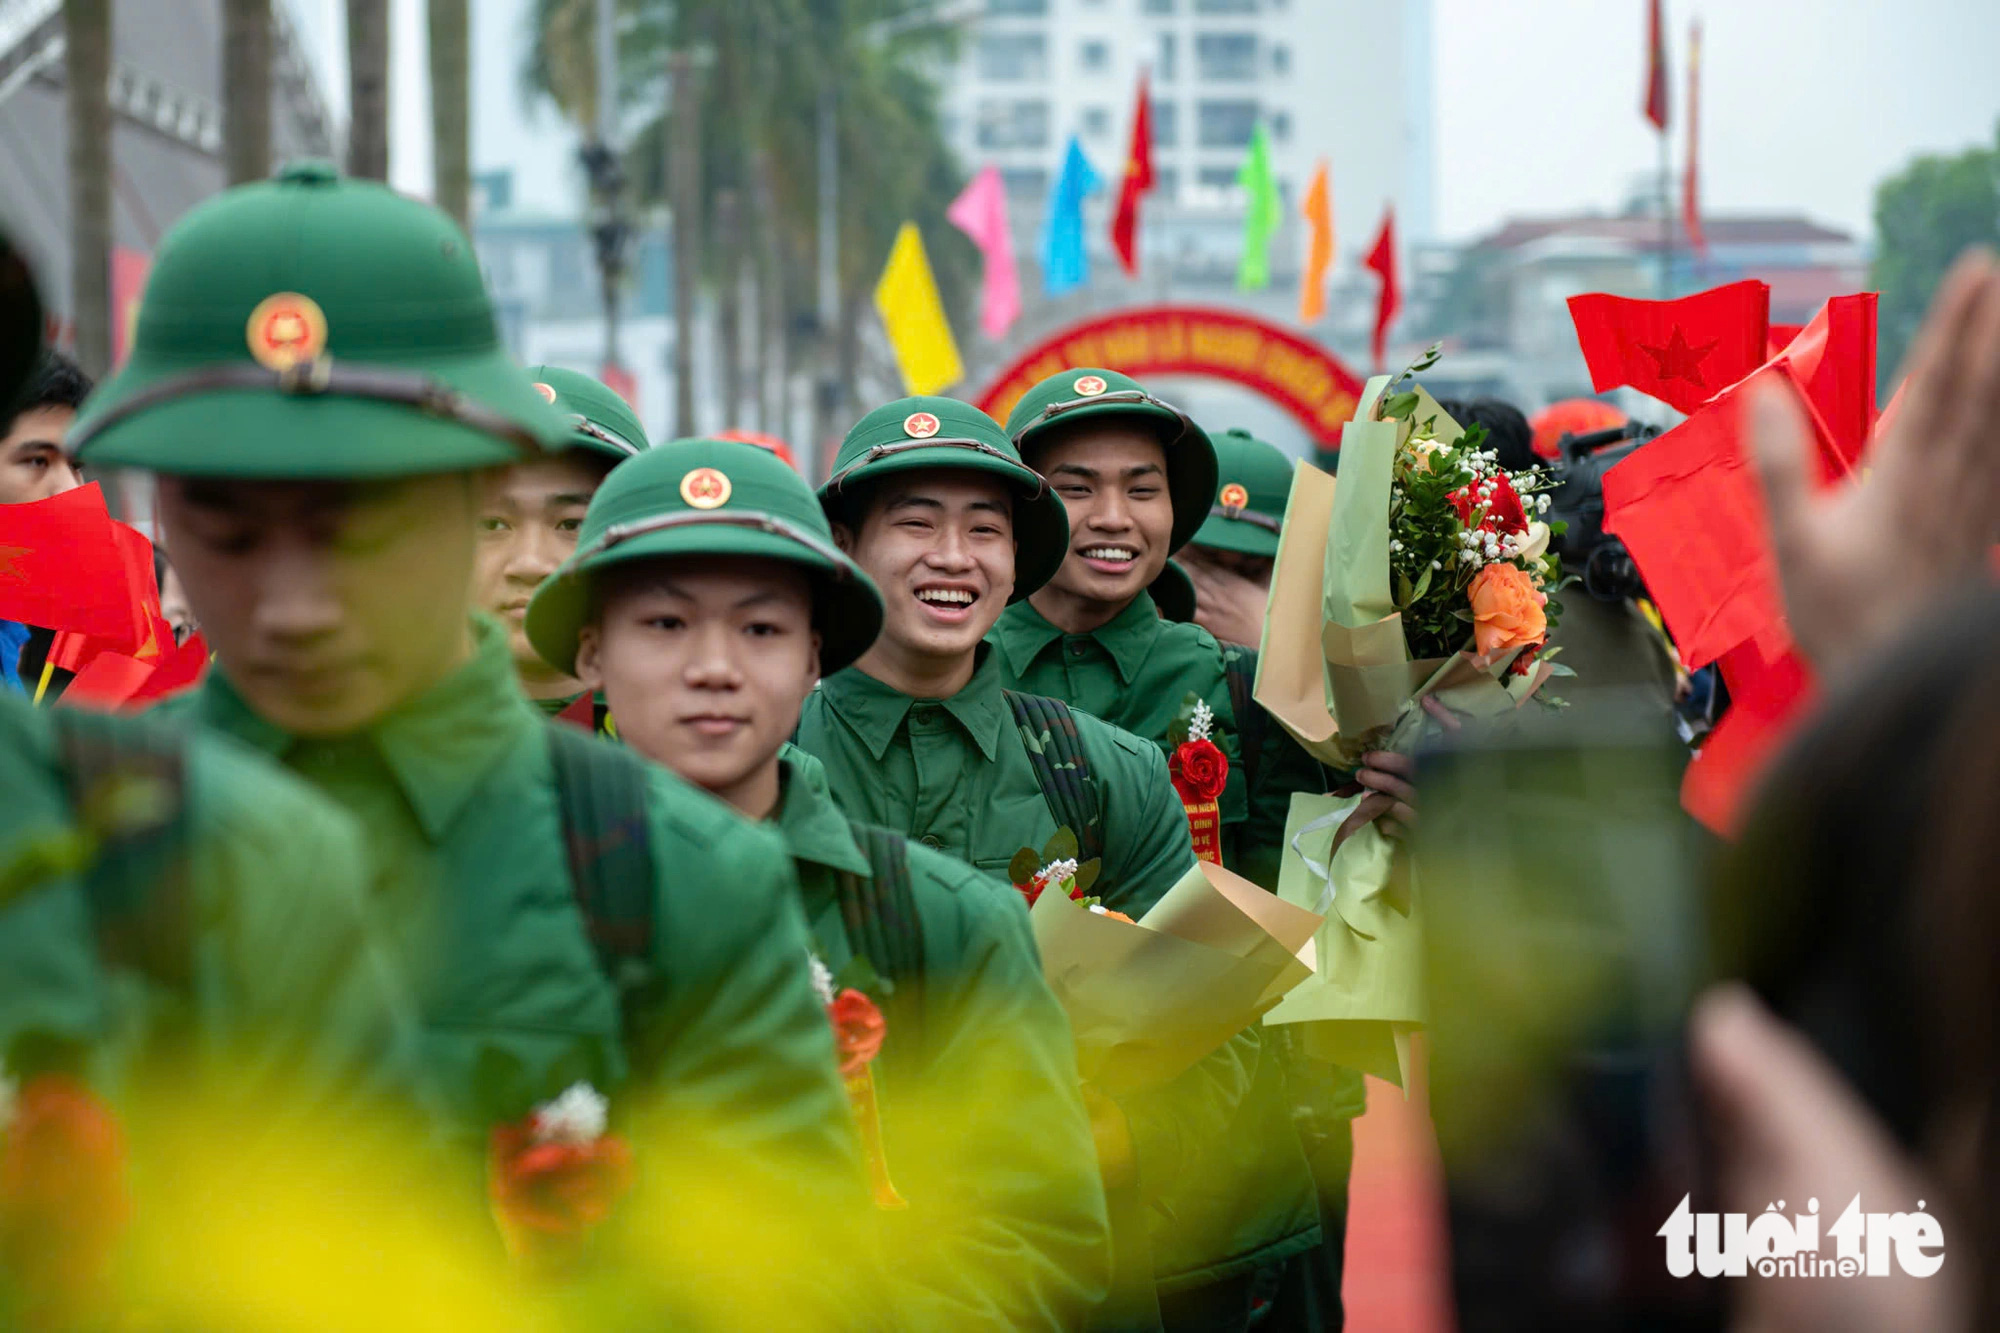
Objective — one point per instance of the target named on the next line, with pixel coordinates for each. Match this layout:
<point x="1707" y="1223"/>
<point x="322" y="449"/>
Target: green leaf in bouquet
<point x="1087" y="873"/>
<point x="860" y="974"/>
<point x="1423" y="584"/>
<point x="1023" y="865"/>
<point x="1183" y="721"/>
<point x="1558" y="668"/>
<point x="1406" y="594"/>
<point x="1399" y="407"/>
<point x="1464" y="613"/>
<point x="1061" y="846"/>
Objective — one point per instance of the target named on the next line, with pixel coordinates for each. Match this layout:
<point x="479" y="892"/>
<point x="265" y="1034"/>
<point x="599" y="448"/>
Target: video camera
<point x="1600" y="561"/>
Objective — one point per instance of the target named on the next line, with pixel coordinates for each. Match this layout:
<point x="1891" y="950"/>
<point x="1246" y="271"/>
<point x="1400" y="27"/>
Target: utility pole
<point x="684" y="195"/>
<point x="246" y="89"/>
<point x="607" y="179"/>
<point x="827" y="395"/>
<point x="87" y="72"/>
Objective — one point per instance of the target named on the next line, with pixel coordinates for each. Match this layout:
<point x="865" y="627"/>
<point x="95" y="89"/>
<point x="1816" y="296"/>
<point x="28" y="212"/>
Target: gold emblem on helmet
<point x="1234" y="496"/>
<point x="1089" y="386"/>
<point x="705" y="488"/>
<point x="286" y="329"/>
<point x="921" y="425"/>
<point x="547" y="391"/>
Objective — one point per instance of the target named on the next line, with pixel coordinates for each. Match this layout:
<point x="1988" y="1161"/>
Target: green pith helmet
<point x="707" y="498"/>
<point x="1173" y="593"/>
<point x="1086" y="392"/>
<point x="312" y="327"/>
<point x="600" y="421"/>
<point x="915" y="433"/>
<point x="1249" y="508"/>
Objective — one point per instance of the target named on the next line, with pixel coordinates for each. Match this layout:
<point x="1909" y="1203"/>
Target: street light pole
<point x="607" y="178"/>
<point x="827" y="395"/>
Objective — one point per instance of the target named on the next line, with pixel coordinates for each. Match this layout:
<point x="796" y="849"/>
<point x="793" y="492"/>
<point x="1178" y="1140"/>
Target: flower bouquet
<point x="1147" y="999"/>
<point x="554" y="1177"/>
<point x="858" y="1031"/>
<point x="1421" y="568"/>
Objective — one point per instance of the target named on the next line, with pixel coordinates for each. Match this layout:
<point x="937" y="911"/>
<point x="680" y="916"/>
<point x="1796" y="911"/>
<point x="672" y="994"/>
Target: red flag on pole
<point x="1655" y="105"/>
<point x="1137" y="182"/>
<point x="1682" y="352"/>
<point x="62" y="566"/>
<point x="1833" y="360"/>
<point x="1382" y="258"/>
<point x="1691" y="181"/>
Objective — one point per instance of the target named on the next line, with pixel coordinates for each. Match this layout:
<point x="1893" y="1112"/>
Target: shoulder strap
<point x="128" y="787"/>
<point x="601" y="794"/>
<point x="1063" y="772"/>
<point x="880" y="914"/>
<point x="1239" y="668"/>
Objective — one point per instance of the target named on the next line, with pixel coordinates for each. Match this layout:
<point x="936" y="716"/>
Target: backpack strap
<point x="880" y="914"/>
<point x="1048" y="728"/>
<point x="1239" y="669"/>
<point x="128" y="787"/>
<point x="601" y="792"/>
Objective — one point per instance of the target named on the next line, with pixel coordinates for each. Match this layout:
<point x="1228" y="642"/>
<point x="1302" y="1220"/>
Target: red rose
<point x="1199" y="769"/>
<point x="1031" y="891"/>
<point x="1526" y="660"/>
<point x="1504" y="512"/>
<point x="858" y="1029"/>
<point x="63" y="1196"/>
<point x="555" y="1189"/>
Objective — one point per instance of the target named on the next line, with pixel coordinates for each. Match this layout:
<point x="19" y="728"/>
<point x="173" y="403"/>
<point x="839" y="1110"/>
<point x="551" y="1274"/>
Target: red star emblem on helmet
<point x="1089" y="386"/>
<point x="285" y="330"/>
<point x="921" y="425"/>
<point x="1234" y="496"/>
<point x="705" y="488"/>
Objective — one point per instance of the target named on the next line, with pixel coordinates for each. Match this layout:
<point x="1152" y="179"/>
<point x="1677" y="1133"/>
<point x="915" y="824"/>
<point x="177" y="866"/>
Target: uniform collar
<point x="874" y="710"/>
<point x="1023" y="633"/>
<point x="811" y="824"/>
<point x="439" y="745"/>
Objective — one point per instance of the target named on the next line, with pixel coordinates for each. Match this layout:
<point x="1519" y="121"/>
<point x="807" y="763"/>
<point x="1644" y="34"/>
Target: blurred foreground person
<point x="611" y="968"/>
<point x="1863" y="913"/>
<point x="529" y="515"/>
<point x="705" y="599"/>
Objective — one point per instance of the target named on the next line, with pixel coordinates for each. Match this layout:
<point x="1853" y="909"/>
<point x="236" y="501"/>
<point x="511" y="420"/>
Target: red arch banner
<point x="1299" y="376"/>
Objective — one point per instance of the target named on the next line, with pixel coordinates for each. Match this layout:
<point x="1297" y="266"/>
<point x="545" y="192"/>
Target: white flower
<point x="1100" y="909"/>
<point x="1203" y="720"/>
<point x="1056" y="872"/>
<point x="1541" y="504"/>
<point x="578" y="1116"/>
<point x="1395" y="546"/>
<point x="822" y="979"/>
<point x="1437" y="564"/>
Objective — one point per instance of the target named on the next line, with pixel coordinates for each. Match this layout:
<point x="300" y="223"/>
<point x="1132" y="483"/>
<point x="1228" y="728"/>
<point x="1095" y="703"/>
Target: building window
<point x="1225" y="6"/>
<point x="1014" y="57"/>
<point x="1156" y="6"/>
<point x="1028" y="8"/>
<point x="1226" y="55"/>
<point x="1217" y="178"/>
<point x="1007" y="124"/>
<point x="1281" y="59"/>
<point x="1166" y="124"/>
<point x="1169" y="56"/>
<point x="1225" y="124"/>
<point x="1096" y="57"/>
<point x="1096" y="121"/>
<point x="1025" y="183"/>
<point x="1167" y="184"/>
<point x="1281" y="126"/>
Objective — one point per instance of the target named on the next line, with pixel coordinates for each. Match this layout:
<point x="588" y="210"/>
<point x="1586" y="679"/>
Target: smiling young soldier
<point x="317" y="382"/>
<point x="704" y="600"/>
<point x="1139" y="478"/>
<point x="529" y="515"/>
<point x="932" y="501"/>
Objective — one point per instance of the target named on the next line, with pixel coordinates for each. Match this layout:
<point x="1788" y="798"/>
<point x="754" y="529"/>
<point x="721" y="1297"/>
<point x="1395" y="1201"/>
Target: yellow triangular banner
<point x="913" y="314"/>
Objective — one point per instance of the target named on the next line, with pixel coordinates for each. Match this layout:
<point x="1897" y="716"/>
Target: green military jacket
<point x="984" y="1128"/>
<point x="455" y="791"/>
<point x="954" y="773"/>
<point x="278" y="972"/>
<point x="1136" y="672"/>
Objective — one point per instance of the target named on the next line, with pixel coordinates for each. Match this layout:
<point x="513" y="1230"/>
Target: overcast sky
<point x="1806" y="104"/>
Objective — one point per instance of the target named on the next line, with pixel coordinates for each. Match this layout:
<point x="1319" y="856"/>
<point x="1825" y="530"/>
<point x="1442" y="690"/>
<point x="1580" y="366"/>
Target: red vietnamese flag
<point x="1655" y="105"/>
<point x="1682" y="352"/>
<point x="1833" y="360"/>
<point x="1382" y="258"/>
<point x="61" y="567"/>
<point x="1138" y="181"/>
<point x="139" y="592"/>
<point x="1689" y="508"/>
<point x="1778" y="337"/>
<point x="1771" y="690"/>
<point x="115" y="680"/>
<point x="1691" y="179"/>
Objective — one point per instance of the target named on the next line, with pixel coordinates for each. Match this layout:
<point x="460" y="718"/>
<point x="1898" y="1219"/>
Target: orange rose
<point x="1506" y="610"/>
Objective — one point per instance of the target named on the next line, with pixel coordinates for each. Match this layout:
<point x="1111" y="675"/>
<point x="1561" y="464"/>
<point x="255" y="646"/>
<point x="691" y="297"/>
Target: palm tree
<point x="368" y="88"/>
<point x="87" y="73"/>
<point x="246" y="89"/>
<point x="451" y="108"/>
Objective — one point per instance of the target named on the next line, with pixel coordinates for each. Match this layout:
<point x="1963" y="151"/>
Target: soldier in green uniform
<point x="1139" y="480"/>
<point x="705" y="598"/>
<point x="317" y="382"/>
<point x="1230" y="557"/>
<point x="930" y="498"/>
<point x="529" y="514"/>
